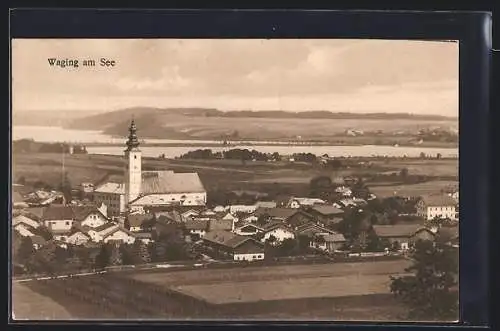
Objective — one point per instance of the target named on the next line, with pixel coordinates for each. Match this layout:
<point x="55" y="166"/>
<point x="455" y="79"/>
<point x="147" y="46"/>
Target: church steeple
<point x="132" y="142"/>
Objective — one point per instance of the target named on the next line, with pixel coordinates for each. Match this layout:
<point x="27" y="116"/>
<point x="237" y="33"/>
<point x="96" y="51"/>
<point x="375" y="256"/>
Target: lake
<point x="57" y="134"/>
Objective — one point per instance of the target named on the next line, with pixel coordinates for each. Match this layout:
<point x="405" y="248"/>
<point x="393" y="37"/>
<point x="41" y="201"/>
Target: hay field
<point x="251" y="284"/>
<point x="291" y="288"/>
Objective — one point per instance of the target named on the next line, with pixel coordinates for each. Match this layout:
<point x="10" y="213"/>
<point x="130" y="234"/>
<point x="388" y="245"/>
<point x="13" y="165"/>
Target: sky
<point x="359" y="76"/>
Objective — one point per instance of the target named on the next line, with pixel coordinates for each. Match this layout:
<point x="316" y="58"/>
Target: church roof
<point x="155" y="182"/>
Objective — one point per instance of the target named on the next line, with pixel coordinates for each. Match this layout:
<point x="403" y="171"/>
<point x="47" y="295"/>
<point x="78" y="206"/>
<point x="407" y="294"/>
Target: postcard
<point x="235" y="179"/>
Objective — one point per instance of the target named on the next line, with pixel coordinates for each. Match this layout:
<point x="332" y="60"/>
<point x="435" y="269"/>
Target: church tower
<point x="133" y="177"/>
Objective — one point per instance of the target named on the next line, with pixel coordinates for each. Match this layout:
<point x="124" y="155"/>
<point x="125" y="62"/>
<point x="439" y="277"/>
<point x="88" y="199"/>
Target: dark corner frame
<point x="472" y="29"/>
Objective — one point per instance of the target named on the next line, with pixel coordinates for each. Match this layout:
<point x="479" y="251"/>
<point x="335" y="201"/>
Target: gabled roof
<point x="242" y="226"/>
<point x="438" y="200"/>
<point x="79" y="232"/>
<point x="397" y="230"/>
<point x="118" y="228"/>
<point x="312" y="229"/>
<point x="327" y="210"/>
<point x="336" y="237"/>
<point x="53" y="213"/>
<point x="155" y="182"/>
<point x="25" y="220"/>
<point x="110" y="187"/>
<point x="196" y="225"/>
<point x="226" y="238"/>
<point x="81" y="212"/>
<point x="38" y="240"/>
<point x="37" y="212"/>
<point x="168" y="216"/>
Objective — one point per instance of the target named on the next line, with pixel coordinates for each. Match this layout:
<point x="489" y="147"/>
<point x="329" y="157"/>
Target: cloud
<point x="358" y="75"/>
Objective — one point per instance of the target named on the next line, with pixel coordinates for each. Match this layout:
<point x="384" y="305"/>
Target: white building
<point x="438" y="205"/>
<point x="149" y="188"/>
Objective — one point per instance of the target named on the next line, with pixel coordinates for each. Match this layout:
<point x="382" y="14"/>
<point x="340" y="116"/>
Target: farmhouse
<point x="328" y="242"/>
<point x="119" y="234"/>
<point x="327" y="214"/>
<point x="403" y="235"/>
<point x="98" y="234"/>
<point x="89" y="216"/>
<point x="58" y="218"/>
<point x="78" y="237"/>
<point x="248" y="229"/>
<point x="198" y="227"/>
<point x="242" y="209"/>
<point x="146" y="189"/>
<point x="233" y="246"/>
<point x="437" y="205"/>
<point x="277" y="231"/>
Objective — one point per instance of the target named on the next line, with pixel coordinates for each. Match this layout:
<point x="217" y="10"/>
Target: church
<point x="142" y="189"/>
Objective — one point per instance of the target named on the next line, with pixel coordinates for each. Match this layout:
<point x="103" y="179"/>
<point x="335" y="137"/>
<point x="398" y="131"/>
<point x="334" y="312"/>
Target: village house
<point x="90" y="216"/>
<point x="328" y="242"/>
<point x="58" y="218"/>
<point x="242" y="209"/>
<point x="78" y="238"/>
<point x="277" y="231"/>
<point x="138" y="222"/>
<point x="24" y="230"/>
<point x="403" y="236"/>
<point x="345" y="191"/>
<point x="37" y="241"/>
<point x="112" y="195"/>
<point x="327" y="214"/>
<point x="24" y="219"/>
<point x="197" y="227"/>
<point x="233" y="246"/>
<point x="98" y="234"/>
<point x="296" y="203"/>
<point x="437" y="205"/>
<point x="188" y="215"/>
<point x="118" y="234"/>
<point x="248" y="229"/>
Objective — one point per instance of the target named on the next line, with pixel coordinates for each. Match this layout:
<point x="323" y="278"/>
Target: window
<point x="253" y="257"/>
<point x="135" y="157"/>
<point x="67" y="223"/>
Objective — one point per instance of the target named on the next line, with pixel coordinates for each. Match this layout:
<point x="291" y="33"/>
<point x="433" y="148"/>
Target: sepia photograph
<point x="235" y="179"/>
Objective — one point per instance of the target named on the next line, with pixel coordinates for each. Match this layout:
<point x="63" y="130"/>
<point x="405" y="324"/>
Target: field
<point x="340" y="291"/>
<point x="431" y="187"/>
<point x="27" y="304"/>
<point x="218" y="174"/>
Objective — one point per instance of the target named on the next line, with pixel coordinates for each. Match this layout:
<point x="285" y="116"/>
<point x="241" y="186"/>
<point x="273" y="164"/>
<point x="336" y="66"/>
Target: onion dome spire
<point x="132" y="141"/>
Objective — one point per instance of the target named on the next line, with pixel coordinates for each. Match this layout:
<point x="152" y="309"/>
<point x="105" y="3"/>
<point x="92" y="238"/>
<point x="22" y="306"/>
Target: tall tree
<point x="430" y="293"/>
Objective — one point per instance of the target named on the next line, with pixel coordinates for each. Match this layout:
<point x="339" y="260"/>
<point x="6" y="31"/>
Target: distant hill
<point x="209" y="123"/>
